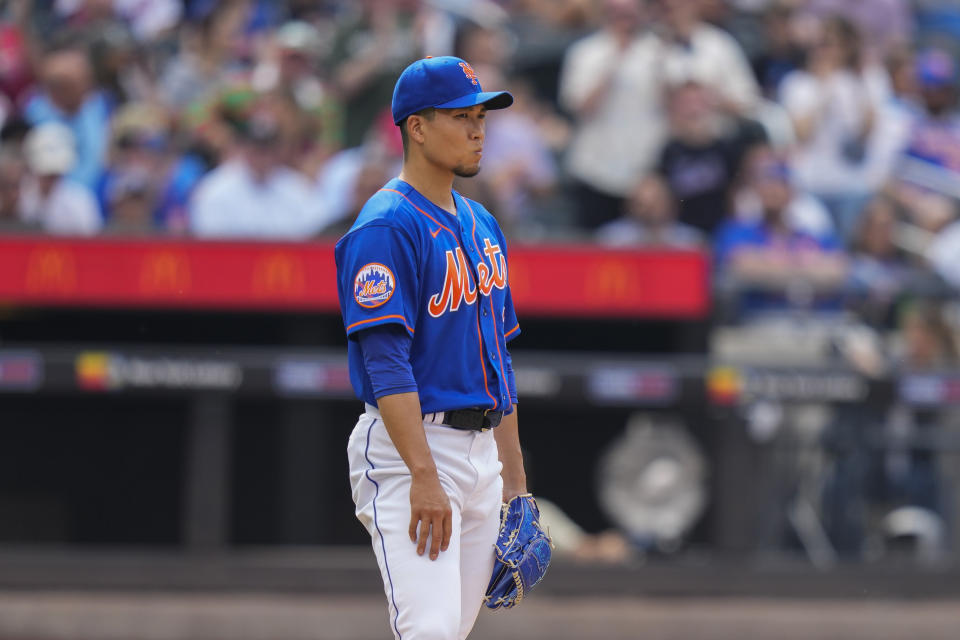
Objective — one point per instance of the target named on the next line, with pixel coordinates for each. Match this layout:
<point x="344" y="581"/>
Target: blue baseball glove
<point x="523" y="551"/>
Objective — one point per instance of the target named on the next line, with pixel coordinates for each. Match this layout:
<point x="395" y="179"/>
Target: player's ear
<point x="415" y="128"/>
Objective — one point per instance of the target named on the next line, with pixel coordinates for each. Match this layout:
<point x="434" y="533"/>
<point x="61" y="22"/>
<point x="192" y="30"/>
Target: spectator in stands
<point x="150" y="21"/>
<point x="651" y="220"/>
<point x="610" y="85"/>
<point x="351" y="176"/>
<point x="12" y="134"/>
<point x="543" y="30"/>
<point x="253" y="195"/>
<point x="896" y="117"/>
<point x="833" y="104"/>
<point x="121" y="66"/>
<point x="702" y="158"/>
<point x="692" y="49"/>
<point x="147" y="185"/>
<point x="910" y="466"/>
<point x="292" y="68"/>
<point x="209" y="55"/>
<point x="762" y="165"/>
<point x="211" y="126"/>
<point x="782" y="51"/>
<point x="879" y="269"/>
<point x="928" y="171"/>
<point x="50" y="198"/>
<point x="884" y="24"/>
<point x="374" y="41"/>
<point x="67" y="96"/>
<point x="520" y="173"/>
<point x="773" y="264"/>
<point x="885" y="458"/>
<point x="12" y="172"/>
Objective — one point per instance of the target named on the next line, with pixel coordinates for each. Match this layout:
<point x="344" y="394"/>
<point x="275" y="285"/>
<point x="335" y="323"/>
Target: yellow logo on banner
<point x="609" y="282"/>
<point x="51" y="271"/>
<point x="164" y="272"/>
<point x="278" y="275"/>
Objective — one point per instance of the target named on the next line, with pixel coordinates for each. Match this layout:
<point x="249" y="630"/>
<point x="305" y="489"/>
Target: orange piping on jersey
<point x="420" y="210"/>
<point x="511" y="331"/>
<point x="483" y="365"/>
<point x="380" y="318"/>
<point x="473" y="236"/>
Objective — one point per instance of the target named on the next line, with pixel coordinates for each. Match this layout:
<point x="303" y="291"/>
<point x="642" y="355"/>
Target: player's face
<point x="454" y="139"/>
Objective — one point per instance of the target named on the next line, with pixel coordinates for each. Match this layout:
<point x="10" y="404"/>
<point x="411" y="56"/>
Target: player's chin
<point x="466" y="170"/>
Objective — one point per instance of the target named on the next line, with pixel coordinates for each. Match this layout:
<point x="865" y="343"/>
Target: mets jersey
<point x="444" y="278"/>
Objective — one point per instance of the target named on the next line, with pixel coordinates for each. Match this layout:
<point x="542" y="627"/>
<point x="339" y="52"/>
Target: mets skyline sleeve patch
<point x="374" y="285"/>
<point x="377" y="279"/>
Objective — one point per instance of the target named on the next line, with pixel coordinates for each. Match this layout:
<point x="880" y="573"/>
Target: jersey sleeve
<point x="377" y="279"/>
<point x="386" y="356"/>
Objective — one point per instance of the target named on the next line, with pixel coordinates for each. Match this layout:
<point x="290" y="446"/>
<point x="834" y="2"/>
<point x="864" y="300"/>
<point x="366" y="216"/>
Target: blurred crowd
<point x="813" y="146"/>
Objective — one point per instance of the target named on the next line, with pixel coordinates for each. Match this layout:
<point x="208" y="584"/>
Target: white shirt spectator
<point x="336" y="183"/>
<point x="69" y="209"/>
<point x="620" y="138"/>
<point x="230" y="203"/>
<point x="714" y="59"/>
<point x="841" y="102"/>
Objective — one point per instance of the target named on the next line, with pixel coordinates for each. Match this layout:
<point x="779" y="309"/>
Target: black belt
<point x="472" y="419"/>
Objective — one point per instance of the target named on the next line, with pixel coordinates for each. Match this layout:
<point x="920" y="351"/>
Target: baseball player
<point x="425" y="298"/>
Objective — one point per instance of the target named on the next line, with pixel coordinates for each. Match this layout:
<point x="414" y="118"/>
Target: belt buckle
<point x="485" y="412"/>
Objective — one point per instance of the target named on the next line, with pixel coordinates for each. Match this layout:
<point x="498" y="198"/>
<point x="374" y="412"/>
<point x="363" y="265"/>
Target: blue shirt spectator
<point x="67" y="97"/>
<point x="770" y="263"/>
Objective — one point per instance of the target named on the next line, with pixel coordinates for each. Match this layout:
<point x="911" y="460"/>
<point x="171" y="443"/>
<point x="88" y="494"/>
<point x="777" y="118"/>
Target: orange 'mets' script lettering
<point x="458" y="286"/>
<point x="373" y="288"/>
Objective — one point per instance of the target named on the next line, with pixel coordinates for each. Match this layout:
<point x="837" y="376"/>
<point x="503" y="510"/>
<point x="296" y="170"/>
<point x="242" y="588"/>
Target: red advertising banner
<point x="562" y="280"/>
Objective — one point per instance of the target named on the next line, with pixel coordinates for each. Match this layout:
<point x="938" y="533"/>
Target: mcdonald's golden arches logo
<point x="51" y="270"/>
<point x="164" y="272"/>
<point x="610" y="281"/>
<point x="278" y="275"/>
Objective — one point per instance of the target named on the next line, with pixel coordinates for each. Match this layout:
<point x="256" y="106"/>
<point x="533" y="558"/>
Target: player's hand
<point x="511" y="492"/>
<point x="430" y="509"/>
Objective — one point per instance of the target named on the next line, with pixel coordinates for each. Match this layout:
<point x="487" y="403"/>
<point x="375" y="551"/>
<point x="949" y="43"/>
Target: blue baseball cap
<point x="444" y="82"/>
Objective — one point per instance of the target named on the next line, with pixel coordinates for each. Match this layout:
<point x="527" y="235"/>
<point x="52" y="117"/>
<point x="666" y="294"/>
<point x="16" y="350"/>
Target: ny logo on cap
<point x="469" y="72"/>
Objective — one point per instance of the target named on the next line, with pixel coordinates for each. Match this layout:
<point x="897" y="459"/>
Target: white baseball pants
<point x="429" y="599"/>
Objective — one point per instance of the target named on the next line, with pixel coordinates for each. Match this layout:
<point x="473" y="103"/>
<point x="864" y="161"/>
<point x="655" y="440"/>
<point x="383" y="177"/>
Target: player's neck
<point x="432" y="183"/>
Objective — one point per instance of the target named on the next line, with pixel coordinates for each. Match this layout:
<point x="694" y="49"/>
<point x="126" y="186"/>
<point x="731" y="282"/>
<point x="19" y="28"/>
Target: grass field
<point x="184" y="616"/>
